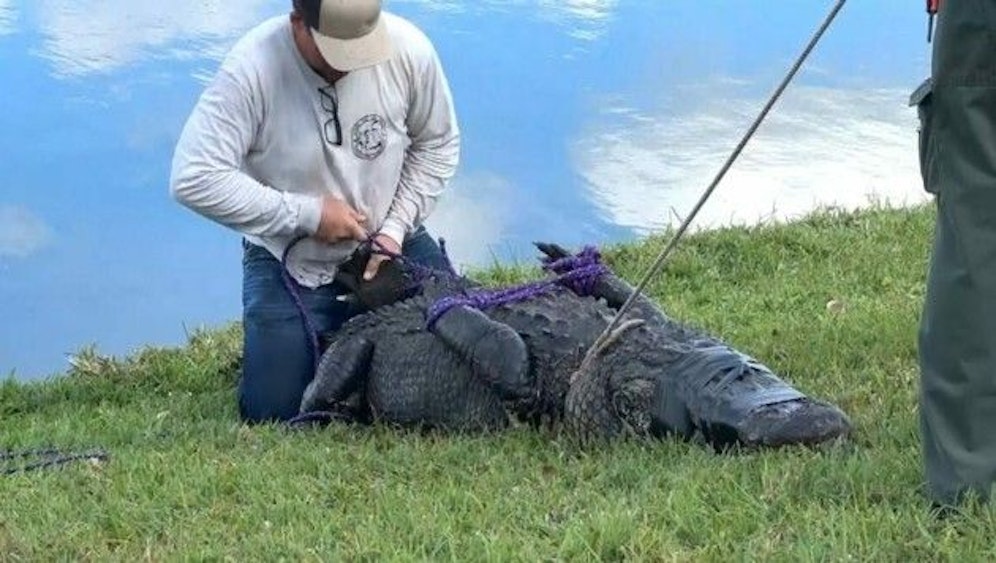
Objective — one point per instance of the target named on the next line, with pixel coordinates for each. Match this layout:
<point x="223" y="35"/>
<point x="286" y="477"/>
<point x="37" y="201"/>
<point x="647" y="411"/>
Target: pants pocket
<point x="923" y="99"/>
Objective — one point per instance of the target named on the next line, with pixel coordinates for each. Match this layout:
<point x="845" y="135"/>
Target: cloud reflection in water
<point x="472" y="217"/>
<point x="22" y="233"/>
<point x="7" y="17"/>
<point x="584" y="19"/>
<point x="818" y="146"/>
<point x="92" y="36"/>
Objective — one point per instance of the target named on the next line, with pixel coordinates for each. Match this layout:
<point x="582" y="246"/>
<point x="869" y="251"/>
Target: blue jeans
<point x="277" y="356"/>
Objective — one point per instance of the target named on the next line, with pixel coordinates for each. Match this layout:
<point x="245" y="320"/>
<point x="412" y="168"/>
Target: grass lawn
<point x="831" y="303"/>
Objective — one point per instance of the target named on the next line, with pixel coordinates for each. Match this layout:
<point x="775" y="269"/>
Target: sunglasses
<point x="330" y="103"/>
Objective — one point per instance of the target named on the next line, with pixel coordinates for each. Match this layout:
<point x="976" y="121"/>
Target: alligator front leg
<point x="342" y="375"/>
<point x="494" y="350"/>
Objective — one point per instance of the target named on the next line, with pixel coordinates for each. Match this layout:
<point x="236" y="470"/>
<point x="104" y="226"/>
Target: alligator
<point x="526" y="361"/>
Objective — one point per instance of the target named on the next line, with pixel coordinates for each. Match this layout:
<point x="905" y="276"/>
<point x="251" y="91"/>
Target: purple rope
<point x="579" y="273"/>
<point x="293" y="289"/>
<point x="419" y="273"/>
<point x="580" y="284"/>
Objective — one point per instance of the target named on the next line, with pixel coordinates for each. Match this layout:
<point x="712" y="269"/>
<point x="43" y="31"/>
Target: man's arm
<point x="207" y="174"/>
<point x="432" y="158"/>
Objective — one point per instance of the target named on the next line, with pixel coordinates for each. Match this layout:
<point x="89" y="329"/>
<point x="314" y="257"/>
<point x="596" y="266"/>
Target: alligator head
<point x="642" y="384"/>
<point x="395" y="281"/>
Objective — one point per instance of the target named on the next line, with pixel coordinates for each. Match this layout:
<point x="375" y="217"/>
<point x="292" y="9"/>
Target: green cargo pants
<point x="957" y="339"/>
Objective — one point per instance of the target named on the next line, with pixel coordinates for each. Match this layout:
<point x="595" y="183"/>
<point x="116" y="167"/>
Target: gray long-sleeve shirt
<point x="257" y="153"/>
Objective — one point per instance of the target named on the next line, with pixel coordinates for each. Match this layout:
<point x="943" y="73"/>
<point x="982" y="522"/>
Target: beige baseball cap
<point x="350" y="34"/>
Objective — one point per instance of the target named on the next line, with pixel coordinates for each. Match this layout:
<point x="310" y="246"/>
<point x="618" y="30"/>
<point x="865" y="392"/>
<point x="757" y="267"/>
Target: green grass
<point x="187" y="481"/>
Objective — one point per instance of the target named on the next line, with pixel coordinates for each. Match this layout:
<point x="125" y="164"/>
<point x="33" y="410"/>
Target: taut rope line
<point x="705" y="196"/>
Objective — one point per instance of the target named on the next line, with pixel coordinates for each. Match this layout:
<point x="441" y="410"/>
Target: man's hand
<point x="380" y="242"/>
<point x="340" y="221"/>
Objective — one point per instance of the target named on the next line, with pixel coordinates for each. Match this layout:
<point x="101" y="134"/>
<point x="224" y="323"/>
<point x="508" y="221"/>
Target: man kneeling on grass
<point x="330" y="127"/>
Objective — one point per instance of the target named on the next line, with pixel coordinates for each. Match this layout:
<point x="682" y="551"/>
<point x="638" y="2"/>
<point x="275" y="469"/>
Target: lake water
<point x="584" y="121"/>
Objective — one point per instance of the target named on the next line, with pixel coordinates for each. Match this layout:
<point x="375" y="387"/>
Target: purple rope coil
<point x="588" y="261"/>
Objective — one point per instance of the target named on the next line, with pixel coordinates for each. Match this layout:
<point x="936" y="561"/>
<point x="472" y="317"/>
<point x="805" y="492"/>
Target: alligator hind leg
<point x="341" y="376"/>
<point x="495" y="351"/>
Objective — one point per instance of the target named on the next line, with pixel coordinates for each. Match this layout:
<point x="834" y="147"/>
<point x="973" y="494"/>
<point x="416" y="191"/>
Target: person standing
<point x="321" y="130"/>
<point x="957" y="336"/>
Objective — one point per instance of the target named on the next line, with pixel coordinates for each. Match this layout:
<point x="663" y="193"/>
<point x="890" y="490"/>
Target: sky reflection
<point x="7" y="17"/>
<point x="584" y="121"/>
<point x="824" y="146"/>
<point x="22" y="233"/>
<point x="91" y="36"/>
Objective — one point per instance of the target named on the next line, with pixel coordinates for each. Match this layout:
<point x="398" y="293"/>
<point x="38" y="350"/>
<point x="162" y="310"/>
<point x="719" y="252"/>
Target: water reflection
<point x="22" y="233"/>
<point x="582" y="20"/>
<point x="584" y="121"/>
<point x="7" y="17"/>
<point x="822" y="146"/>
<point x="88" y="36"/>
<point x="571" y="13"/>
<point x="474" y="217"/>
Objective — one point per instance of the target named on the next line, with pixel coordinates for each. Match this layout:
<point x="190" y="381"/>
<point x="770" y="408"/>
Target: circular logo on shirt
<point x="369" y="136"/>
